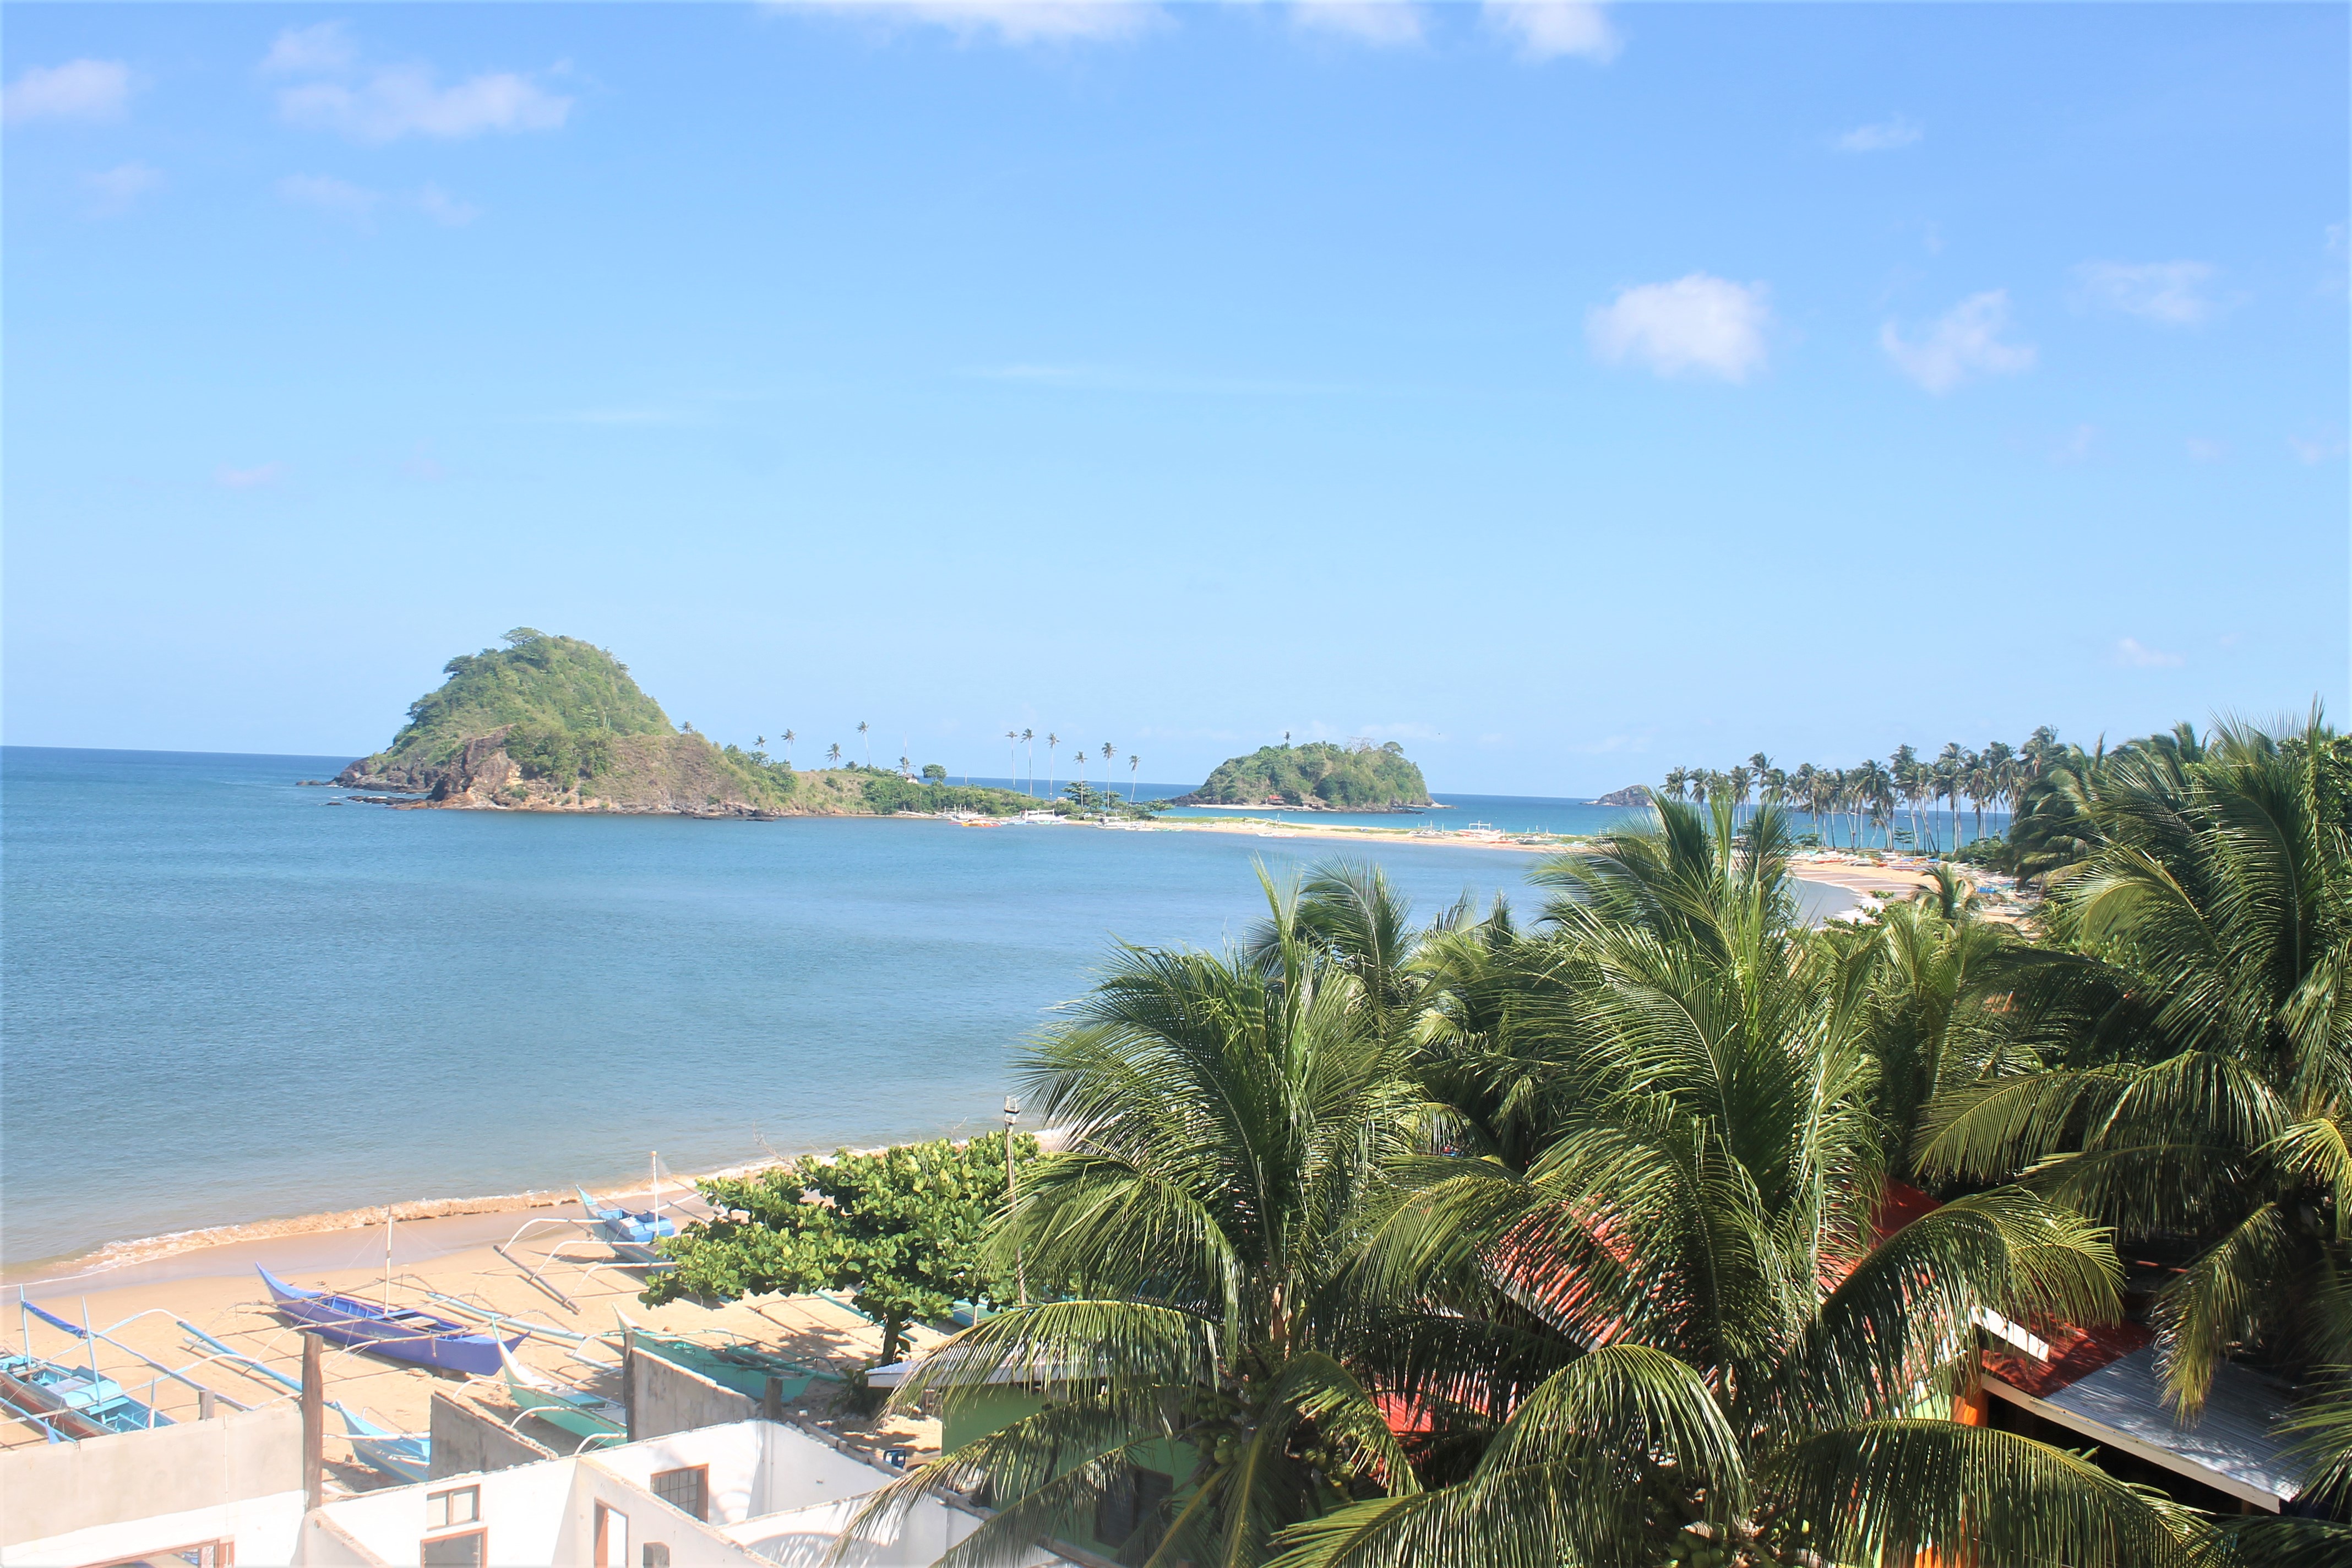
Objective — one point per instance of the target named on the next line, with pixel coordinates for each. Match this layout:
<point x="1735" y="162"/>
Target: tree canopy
<point x="1316" y="773"/>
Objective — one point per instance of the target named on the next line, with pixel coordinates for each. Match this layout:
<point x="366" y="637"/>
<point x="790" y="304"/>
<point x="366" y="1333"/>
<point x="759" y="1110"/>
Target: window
<point x="202" y="1554"/>
<point x="657" y="1554"/>
<point x="688" y="1489"/>
<point x="463" y="1506"/>
<point x="1132" y="1503"/>
<point x="467" y="1549"/>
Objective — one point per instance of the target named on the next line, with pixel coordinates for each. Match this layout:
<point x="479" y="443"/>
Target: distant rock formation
<point x="1631" y="794"/>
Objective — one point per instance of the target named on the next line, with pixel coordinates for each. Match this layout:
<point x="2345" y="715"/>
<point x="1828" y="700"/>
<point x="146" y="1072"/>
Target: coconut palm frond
<point x="1879" y="1491"/>
<point x="1067" y="1349"/>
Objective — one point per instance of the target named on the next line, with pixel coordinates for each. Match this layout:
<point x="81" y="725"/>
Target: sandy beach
<point x="579" y="1290"/>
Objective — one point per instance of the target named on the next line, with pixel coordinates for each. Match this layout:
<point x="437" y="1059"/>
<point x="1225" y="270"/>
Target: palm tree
<point x="1951" y="766"/>
<point x="1106" y="756"/>
<point x="869" y="742"/>
<point x="1686" y="1337"/>
<point x="905" y="768"/>
<point x="1029" y="738"/>
<point x="1231" y="1125"/>
<point x="789" y="739"/>
<point x="1012" y="751"/>
<point x="2187" y="1042"/>
<point x="1052" y="740"/>
<point x="1134" y="777"/>
<point x="833" y="755"/>
<point x="1676" y="783"/>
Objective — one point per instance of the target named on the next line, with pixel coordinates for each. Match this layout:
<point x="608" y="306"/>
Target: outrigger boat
<point x="735" y="1367"/>
<point x="572" y="1410"/>
<point x="401" y="1333"/>
<point x="404" y="1455"/>
<point x="631" y="1235"/>
<point x="68" y="1403"/>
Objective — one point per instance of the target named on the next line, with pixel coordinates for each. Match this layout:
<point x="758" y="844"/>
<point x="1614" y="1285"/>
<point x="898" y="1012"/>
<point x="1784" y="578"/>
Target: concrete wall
<point x="59" y="1487"/>
<point x="466" y="1442"/>
<point x="664" y="1397"/>
<point x="525" y="1510"/>
<point x="263" y="1529"/>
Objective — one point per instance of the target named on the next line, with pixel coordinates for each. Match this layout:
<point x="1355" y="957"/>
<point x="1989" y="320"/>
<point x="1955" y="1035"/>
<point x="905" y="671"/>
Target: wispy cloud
<point x="2133" y="653"/>
<point x="2171" y="293"/>
<point x="1699" y="323"/>
<point x="78" y="89"/>
<point x="2316" y="448"/>
<point x="1969" y="340"/>
<point x="1108" y="378"/>
<point x="253" y="478"/>
<point x="1387" y="24"/>
<point x="336" y="198"/>
<point x="1882" y="136"/>
<point x="1553" y="29"/>
<point x="112" y="191"/>
<point x="2204" y="451"/>
<point x="309" y="51"/>
<point x="444" y="208"/>
<point x="386" y="103"/>
<point x="2076" y="446"/>
<point x="1005" y="21"/>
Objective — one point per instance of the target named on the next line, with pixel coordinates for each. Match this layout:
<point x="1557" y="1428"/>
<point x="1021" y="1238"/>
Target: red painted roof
<point x="2075" y="1352"/>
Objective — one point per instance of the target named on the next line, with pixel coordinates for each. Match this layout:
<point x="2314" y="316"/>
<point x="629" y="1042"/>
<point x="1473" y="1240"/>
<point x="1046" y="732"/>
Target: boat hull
<point x="417" y="1338"/>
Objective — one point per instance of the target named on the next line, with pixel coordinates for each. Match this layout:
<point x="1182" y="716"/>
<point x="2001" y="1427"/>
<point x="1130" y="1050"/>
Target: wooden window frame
<point x="473" y="1517"/>
<point x="700" y="1512"/>
<point x="479" y="1533"/>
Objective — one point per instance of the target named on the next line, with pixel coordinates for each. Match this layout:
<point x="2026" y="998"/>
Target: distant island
<point x="554" y="723"/>
<point x="1631" y="794"/>
<point x="1317" y="777"/>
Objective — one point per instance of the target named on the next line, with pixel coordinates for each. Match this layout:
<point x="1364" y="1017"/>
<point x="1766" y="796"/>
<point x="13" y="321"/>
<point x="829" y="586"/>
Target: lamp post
<point x="1020" y="1270"/>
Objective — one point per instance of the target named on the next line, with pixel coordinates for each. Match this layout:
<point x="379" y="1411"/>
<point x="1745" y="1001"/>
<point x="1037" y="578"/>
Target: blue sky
<point x="1567" y="393"/>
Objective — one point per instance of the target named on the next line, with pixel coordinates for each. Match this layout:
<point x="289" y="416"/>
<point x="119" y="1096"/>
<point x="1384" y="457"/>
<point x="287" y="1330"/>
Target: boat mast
<point x="387" y="1257"/>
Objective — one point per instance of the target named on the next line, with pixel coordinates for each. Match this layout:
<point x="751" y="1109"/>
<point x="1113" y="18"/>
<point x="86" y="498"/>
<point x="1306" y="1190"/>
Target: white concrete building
<point x="749" y="1493"/>
<point x="207" y="1493"/>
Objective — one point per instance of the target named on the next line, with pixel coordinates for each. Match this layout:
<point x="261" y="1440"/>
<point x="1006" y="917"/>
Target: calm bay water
<point x="230" y="998"/>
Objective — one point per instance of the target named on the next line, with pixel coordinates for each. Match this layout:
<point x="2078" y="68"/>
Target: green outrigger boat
<point x="739" y="1367"/>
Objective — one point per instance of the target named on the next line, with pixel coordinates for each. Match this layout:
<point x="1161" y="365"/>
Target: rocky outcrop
<point x="1631" y="794"/>
<point x="668" y="774"/>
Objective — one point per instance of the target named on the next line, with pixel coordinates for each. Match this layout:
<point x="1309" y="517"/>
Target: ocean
<point x="230" y="998"/>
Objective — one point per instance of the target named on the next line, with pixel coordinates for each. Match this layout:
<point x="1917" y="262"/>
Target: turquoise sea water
<point x="229" y="998"/>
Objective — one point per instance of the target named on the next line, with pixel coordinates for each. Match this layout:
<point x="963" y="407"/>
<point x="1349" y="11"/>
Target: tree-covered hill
<point x="1359" y="778"/>
<point x="552" y="723"/>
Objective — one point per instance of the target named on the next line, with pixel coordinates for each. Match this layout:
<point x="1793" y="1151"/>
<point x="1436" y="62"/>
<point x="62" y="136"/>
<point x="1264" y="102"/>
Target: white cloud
<point x="2316" y="448"/>
<point x="2131" y="651"/>
<point x="1010" y="21"/>
<point x="1546" y="29"/>
<point x="112" y="191"/>
<point x="251" y="478"/>
<point x="78" y="89"/>
<point x="1695" y="323"/>
<point x="1884" y="136"/>
<point x="311" y="51"/>
<point x="1966" y="340"/>
<point x="2170" y="293"/>
<point x="442" y="207"/>
<point x="336" y="198"/>
<point x="404" y="101"/>
<point x="2204" y="451"/>
<point x="1386" y="22"/>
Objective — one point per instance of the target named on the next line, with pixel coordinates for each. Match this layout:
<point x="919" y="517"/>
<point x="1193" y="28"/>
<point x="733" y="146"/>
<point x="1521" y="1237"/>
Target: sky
<point x="1564" y="393"/>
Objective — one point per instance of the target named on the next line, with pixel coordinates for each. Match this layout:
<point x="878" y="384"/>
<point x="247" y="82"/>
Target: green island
<point x="1317" y="775"/>
<point x="553" y="723"/>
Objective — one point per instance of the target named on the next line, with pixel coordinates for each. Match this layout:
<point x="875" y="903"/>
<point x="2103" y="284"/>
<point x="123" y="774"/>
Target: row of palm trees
<point x="1873" y="793"/>
<point x="1485" y="1242"/>
<point x="1014" y="739"/>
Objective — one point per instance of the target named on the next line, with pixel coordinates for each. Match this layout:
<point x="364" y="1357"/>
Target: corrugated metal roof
<point x="2234" y="1446"/>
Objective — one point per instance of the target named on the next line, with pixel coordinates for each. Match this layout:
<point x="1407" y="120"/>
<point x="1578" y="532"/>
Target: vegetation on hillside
<point x="1361" y="777"/>
<point x="554" y="720"/>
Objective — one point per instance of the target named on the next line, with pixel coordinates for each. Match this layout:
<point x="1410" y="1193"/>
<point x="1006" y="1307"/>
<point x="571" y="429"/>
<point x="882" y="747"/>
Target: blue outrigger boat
<point x="401" y="1333"/>
<point x="631" y="1235"/>
<point x="68" y="1403"/>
